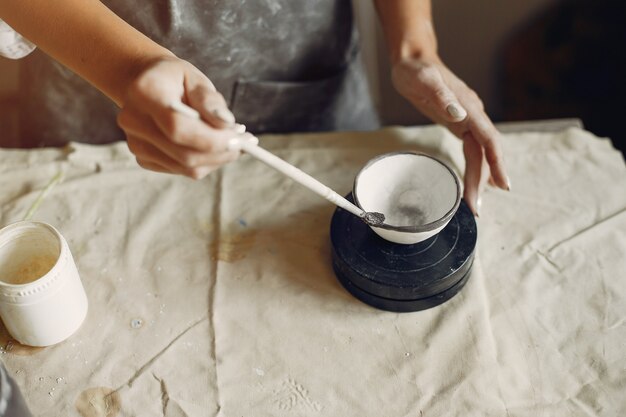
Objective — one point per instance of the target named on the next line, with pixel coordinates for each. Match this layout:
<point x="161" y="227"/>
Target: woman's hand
<point x="439" y="94"/>
<point x="165" y="140"/>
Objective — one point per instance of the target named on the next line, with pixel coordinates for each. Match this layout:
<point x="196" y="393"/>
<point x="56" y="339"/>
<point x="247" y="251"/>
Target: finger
<point x="442" y="100"/>
<point x="152" y="166"/>
<point x="179" y="128"/>
<point x="143" y="127"/>
<point x="488" y="136"/>
<point x="150" y="154"/>
<point x="473" y="152"/>
<point x="193" y="133"/>
<point x="203" y="97"/>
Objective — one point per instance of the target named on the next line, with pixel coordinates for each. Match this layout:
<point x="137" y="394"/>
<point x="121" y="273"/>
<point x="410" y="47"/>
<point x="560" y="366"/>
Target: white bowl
<point x="418" y="195"/>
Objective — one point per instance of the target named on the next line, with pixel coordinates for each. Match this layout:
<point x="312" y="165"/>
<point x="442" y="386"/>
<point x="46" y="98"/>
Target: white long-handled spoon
<point x="249" y="144"/>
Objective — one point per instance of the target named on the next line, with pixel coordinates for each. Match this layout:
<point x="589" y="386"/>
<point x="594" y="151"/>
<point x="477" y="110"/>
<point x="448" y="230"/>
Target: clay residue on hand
<point x="98" y="402"/>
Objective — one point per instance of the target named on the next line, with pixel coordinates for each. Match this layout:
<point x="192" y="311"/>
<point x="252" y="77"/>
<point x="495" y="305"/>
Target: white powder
<point x="405" y="209"/>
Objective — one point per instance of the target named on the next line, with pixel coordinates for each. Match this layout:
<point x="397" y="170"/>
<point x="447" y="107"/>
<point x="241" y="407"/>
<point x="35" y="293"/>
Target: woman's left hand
<point x="439" y="94"/>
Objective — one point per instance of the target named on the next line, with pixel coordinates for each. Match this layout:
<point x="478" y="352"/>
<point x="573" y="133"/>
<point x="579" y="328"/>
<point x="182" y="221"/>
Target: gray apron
<point x="282" y="65"/>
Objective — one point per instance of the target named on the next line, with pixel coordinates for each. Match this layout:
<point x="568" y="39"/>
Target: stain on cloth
<point x="233" y="248"/>
<point x="292" y="395"/>
<point x="98" y="402"/>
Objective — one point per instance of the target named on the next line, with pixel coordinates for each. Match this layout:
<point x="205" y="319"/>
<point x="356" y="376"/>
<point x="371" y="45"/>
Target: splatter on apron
<point x="282" y="65"/>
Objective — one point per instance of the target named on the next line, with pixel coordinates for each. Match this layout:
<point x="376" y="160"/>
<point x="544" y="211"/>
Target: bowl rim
<point x="417" y="228"/>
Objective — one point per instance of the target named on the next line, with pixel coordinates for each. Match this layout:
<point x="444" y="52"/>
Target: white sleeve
<point x="12" y="44"/>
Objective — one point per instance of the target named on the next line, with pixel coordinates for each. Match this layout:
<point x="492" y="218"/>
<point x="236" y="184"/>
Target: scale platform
<point x="402" y="278"/>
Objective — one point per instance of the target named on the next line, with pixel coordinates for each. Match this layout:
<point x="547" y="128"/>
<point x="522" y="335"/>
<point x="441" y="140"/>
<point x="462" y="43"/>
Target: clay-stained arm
<point x="408" y="28"/>
<point x="140" y="76"/>
<point x="88" y="38"/>
<point x="422" y="78"/>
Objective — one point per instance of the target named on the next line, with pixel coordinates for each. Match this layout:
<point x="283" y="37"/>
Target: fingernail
<point x="477" y="207"/>
<point x="456" y="111"/>
<point x="508" y="184"/>
<point x="224" y="115"/>
<point x="239" y="128"/>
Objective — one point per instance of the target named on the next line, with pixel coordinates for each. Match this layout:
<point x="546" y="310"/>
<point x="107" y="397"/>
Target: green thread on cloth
<point x="54" y="181"/>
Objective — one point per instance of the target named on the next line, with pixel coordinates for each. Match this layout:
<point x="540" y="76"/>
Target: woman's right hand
<point x="165" y="140"/>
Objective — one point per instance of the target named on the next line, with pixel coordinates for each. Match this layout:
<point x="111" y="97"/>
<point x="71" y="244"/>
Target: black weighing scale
<point x="402" y="278"/>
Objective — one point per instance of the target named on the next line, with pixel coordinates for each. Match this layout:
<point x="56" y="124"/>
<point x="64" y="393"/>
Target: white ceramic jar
<point x="42" y="300"/>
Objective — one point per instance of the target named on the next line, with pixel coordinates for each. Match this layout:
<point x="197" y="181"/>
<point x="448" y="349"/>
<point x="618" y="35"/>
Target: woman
<point x="280" y="65"/>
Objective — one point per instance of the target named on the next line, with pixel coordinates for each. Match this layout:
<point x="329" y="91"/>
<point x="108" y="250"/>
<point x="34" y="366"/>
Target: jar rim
<point x="49" y="278"/>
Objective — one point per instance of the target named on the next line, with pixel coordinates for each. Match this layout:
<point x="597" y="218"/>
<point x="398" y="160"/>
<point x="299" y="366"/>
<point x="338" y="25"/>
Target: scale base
<point x="403" y="278"/>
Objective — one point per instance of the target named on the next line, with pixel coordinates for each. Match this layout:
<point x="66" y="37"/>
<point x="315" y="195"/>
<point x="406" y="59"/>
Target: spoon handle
<point x="280" y="165"/>
<point x="299" y="176"/>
